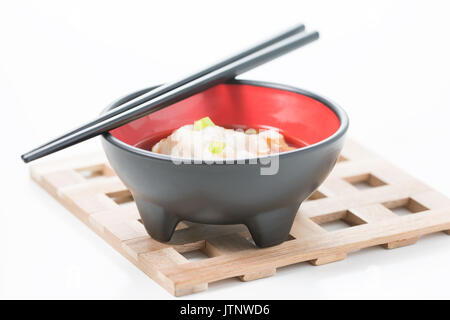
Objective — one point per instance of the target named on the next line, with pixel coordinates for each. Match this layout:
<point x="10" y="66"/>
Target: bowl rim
<point x="340" y="113"/>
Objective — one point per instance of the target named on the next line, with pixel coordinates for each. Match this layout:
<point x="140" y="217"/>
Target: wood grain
<point x="89" y="188"/>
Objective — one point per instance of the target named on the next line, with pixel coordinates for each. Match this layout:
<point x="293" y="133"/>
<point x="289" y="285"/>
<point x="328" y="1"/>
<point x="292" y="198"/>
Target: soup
<point x="207" y="141"/>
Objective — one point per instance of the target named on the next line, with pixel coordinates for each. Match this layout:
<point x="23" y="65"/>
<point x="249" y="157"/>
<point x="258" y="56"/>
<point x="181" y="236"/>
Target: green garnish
<point x="216" y="147"/>
<point x="203" y="123"/>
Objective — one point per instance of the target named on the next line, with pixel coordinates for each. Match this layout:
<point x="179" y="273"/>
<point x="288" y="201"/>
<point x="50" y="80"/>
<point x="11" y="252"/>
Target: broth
<point x="149" y="142"/>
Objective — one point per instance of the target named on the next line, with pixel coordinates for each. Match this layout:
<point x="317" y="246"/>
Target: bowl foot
<point x="159" y="223"/>
<point x="266" y="228"/>
<point x="272" y="227"/>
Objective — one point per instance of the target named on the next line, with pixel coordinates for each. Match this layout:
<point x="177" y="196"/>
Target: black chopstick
<point x="186" y="90"/>
<point x="175" y="84"/>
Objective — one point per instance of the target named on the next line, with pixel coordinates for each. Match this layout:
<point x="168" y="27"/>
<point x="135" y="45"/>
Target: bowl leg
<point x="159" y="223"/>
<point x="272" y="227"/>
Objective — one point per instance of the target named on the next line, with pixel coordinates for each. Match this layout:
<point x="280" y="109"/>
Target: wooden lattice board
<point x="364" y="192"/>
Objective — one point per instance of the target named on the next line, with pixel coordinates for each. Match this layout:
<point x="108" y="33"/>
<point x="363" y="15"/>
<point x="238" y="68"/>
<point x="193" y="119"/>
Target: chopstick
<point x="181" y="92"/>
<point x="172" y="85"/>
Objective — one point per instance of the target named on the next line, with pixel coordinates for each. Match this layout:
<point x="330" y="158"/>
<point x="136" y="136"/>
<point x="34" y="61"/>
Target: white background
<point x="61" y="62"/>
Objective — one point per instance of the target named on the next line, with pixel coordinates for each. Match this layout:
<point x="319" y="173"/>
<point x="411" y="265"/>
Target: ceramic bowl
<point x="265" y="196"/>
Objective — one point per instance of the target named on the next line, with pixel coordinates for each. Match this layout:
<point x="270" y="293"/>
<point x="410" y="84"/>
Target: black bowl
<point x="168" y="190"/>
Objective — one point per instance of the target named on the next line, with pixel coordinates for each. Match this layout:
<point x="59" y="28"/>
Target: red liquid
<point x="148" y="143"/>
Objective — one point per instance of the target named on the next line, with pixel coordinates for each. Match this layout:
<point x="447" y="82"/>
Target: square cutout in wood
<point x="195" y="255"/>
<point x="338" y="220"/>
<point x="100" y="171"/>
<point x="316" y="195"/>
<point x="91" y="173"/>
<point x="121" y="197"/>
<point x="405" y="206"/>
<point x="365" y="181"/>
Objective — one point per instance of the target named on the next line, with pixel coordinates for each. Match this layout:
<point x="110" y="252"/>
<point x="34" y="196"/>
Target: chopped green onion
<point x="203" y="123"/>
<point x="216" y="147"/>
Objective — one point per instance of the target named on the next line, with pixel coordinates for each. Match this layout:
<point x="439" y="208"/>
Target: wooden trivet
<point x="364" y="193"/>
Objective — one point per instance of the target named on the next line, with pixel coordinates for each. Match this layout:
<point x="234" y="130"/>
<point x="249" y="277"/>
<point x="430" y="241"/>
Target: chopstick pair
<point x="170" y="93"/>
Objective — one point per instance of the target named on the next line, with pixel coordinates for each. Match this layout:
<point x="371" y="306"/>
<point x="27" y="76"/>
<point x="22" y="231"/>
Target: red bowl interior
<point x="300" y="118"/>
